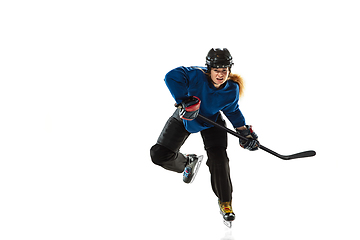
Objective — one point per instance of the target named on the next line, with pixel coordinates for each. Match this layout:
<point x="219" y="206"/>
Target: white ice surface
<point x="82" y="100"/>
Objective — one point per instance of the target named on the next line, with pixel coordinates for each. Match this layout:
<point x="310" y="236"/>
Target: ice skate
<point x="227" y="213"/>
<point x="192" y="167"/>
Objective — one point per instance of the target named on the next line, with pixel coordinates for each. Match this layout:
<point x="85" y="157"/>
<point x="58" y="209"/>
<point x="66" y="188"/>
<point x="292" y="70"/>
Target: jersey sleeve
<point x="236" y="118"/>
<point x="233" y="113"/>
<point x="177" y="81"/>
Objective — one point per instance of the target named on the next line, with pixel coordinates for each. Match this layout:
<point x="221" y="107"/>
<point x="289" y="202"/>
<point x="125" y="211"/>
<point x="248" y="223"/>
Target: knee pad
<point x="160" y="154"/>
<point x="154" y="153"/>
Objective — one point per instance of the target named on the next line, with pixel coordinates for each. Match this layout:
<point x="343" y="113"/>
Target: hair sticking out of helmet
<point x="219" y="58"/>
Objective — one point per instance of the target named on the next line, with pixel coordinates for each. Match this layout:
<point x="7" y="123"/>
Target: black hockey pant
<point x="166" y="153"/>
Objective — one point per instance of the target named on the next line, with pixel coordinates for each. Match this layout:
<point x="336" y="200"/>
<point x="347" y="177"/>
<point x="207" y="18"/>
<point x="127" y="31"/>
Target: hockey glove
<point x="252" y="144"/>
<point x="189" y="108"/>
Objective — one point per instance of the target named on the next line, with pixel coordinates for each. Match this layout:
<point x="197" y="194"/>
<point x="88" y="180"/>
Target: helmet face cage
<point x="219" y="58"/>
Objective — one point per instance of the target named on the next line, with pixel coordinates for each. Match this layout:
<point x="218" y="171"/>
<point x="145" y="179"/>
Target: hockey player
<point x="206" y="91"/>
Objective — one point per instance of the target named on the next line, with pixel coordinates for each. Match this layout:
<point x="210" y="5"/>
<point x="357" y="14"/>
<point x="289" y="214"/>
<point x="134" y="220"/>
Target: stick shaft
<point x="222" y="127"/>
<point x="289" y="157"/>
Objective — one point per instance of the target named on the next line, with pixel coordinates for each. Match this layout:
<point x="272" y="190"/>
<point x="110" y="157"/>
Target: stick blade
<point x="300" y="155"/>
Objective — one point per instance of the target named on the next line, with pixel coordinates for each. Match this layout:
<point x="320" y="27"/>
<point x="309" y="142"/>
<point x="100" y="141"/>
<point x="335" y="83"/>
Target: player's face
<point x="219" y="76"/>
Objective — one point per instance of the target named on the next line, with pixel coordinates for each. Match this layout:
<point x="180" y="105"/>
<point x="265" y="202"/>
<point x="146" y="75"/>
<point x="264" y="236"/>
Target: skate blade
<point x="227" y="223"/>
<point x="200" y="158"/>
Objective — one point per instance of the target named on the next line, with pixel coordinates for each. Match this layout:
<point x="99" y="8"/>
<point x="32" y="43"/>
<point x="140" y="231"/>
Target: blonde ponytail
<point x="240" y="81"/>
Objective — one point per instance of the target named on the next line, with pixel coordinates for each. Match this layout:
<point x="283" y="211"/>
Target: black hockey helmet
<point x="219" y="58"/>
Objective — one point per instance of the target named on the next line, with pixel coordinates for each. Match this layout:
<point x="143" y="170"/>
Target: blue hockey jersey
<point x="191" y="81"/>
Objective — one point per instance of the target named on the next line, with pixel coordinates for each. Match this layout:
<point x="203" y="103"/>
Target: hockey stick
<point x="283" y="157"/>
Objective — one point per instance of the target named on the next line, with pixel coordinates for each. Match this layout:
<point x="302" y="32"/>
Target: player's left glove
<point x="252" y="144"/>
<point x="189" y="108"/>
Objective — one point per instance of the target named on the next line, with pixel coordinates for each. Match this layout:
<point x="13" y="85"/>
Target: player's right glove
<point x="252" y="144"/>
<point x="189" y="108"/>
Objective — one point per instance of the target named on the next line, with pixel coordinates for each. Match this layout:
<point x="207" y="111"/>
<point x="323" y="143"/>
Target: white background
<point x="82" y="100"/>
